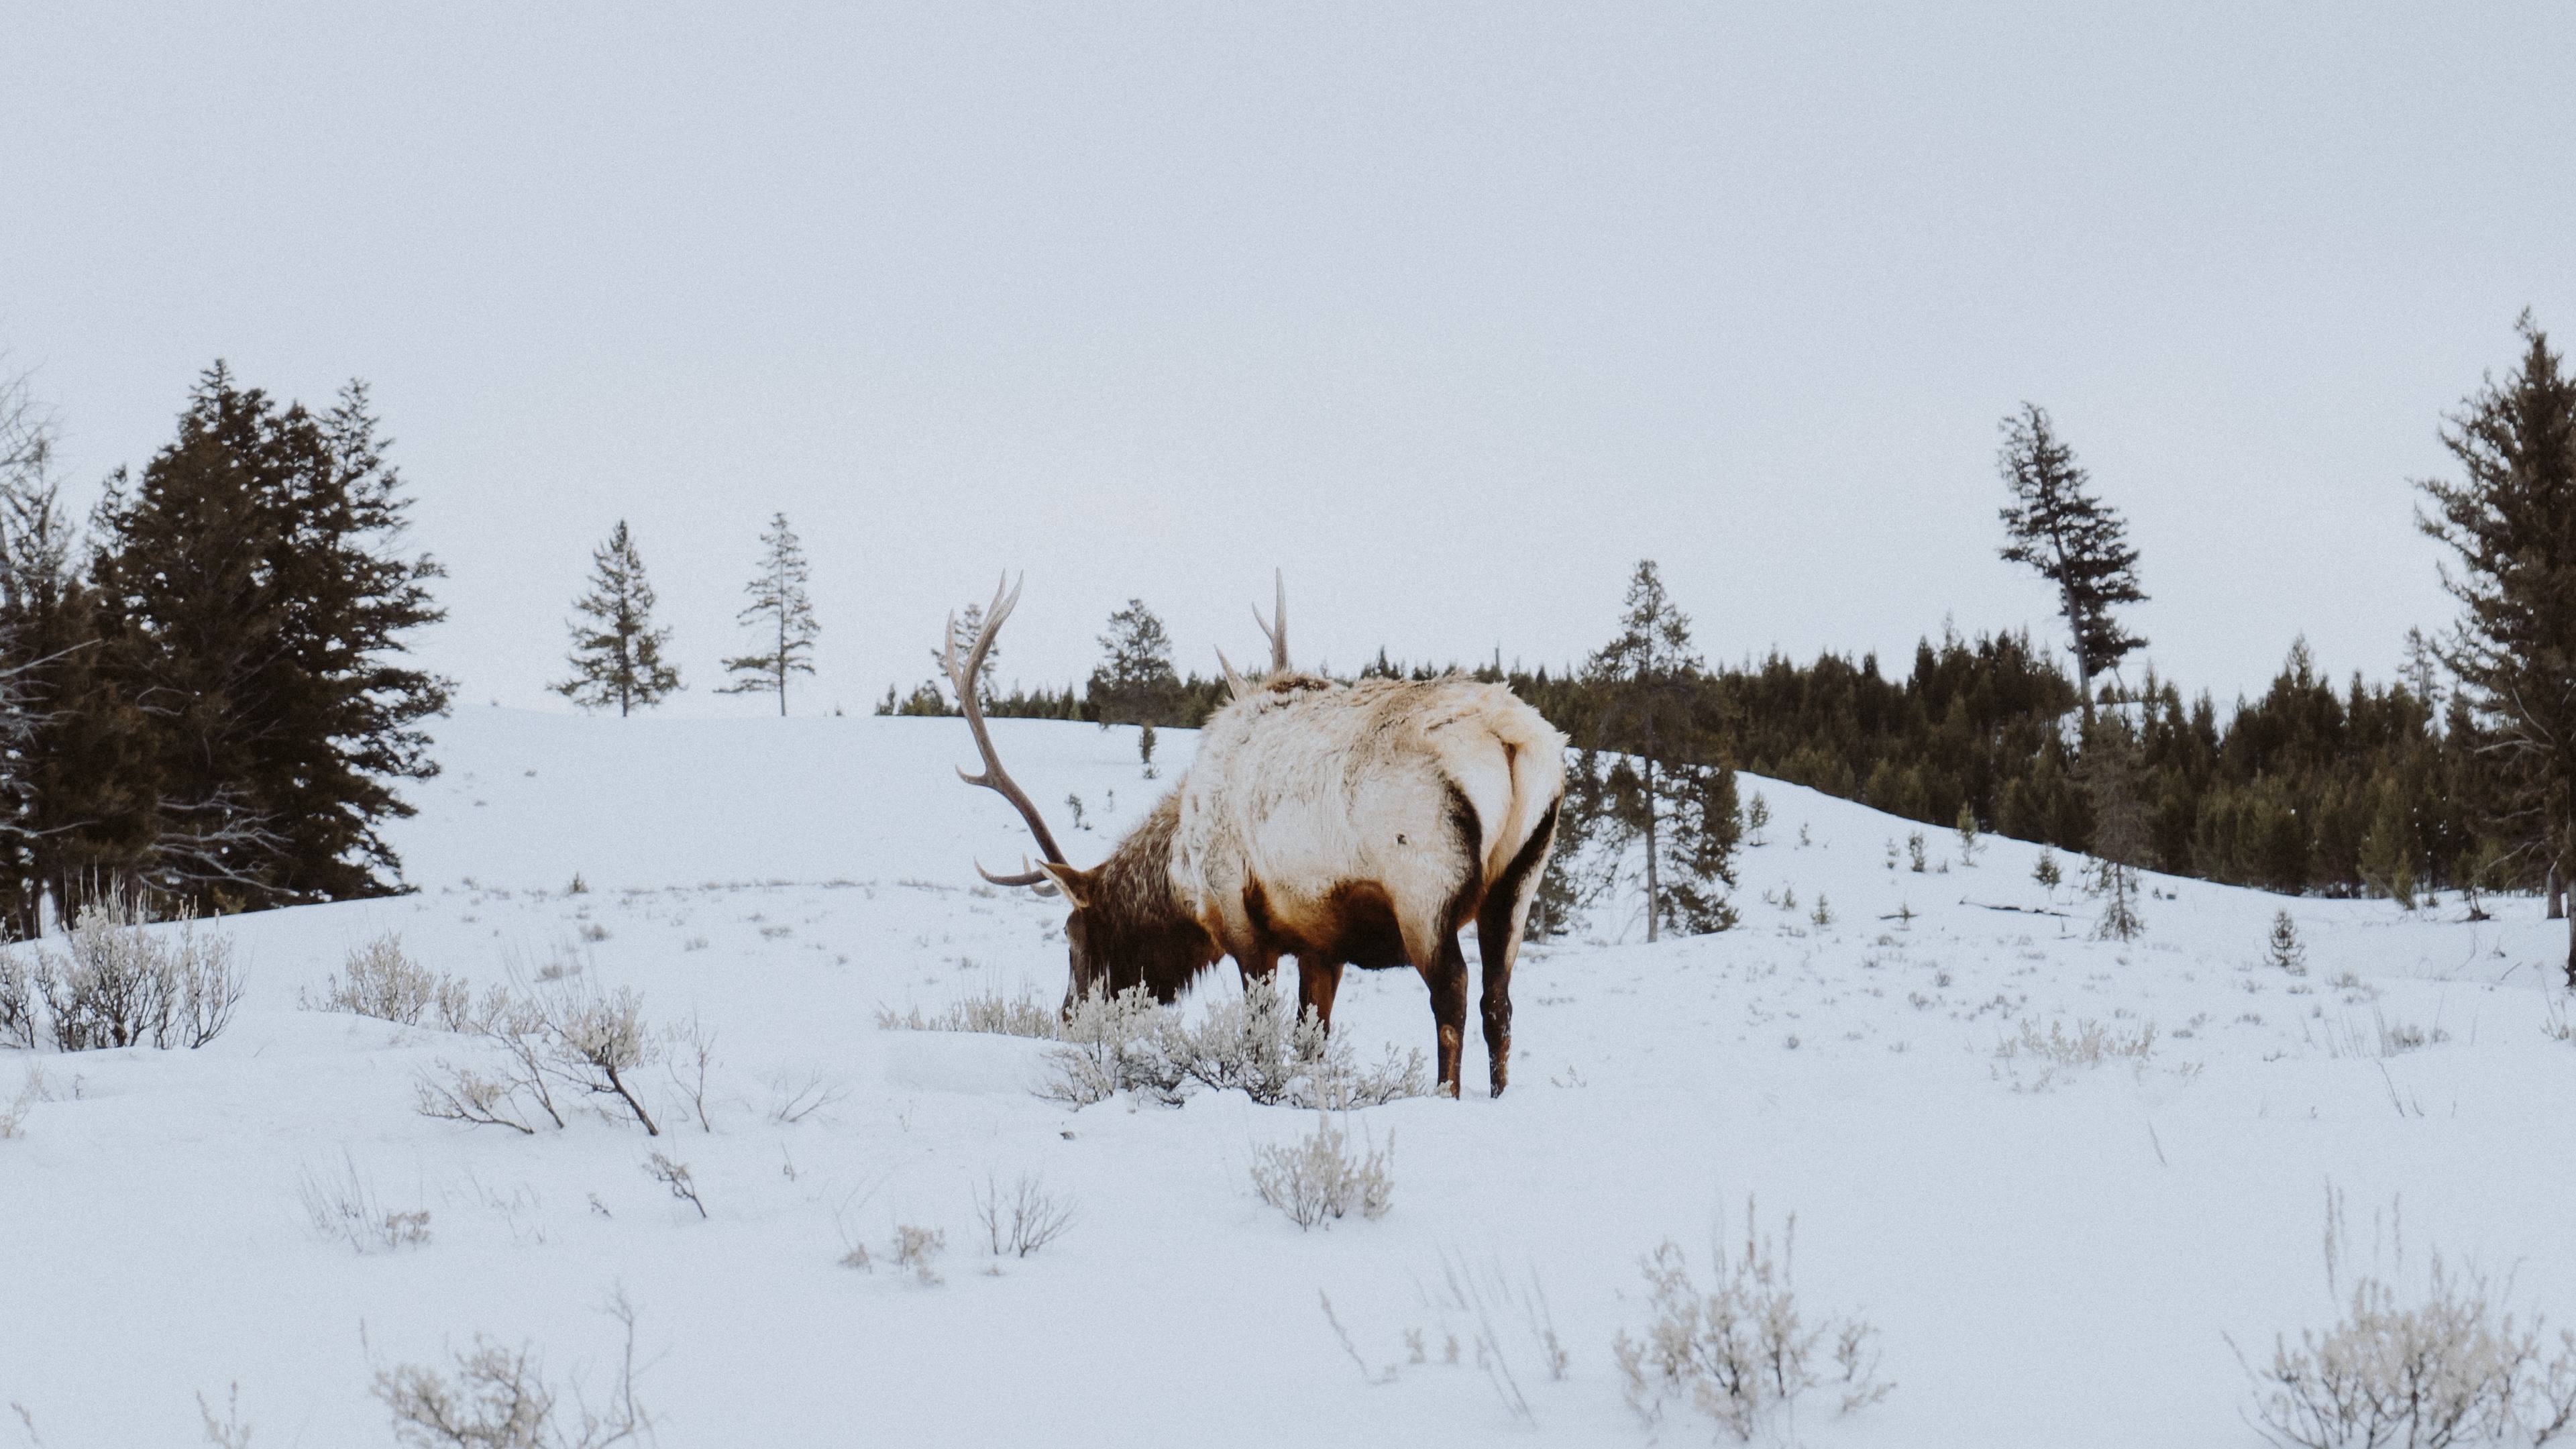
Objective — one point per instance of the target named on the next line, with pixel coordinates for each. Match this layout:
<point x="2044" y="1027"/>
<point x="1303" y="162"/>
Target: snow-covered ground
<point x="2051" y="1256"/>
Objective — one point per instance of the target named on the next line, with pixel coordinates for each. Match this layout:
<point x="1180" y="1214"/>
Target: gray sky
<point x="1454" y="312"/>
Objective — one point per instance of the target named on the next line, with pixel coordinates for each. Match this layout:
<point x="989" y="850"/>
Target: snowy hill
<point x="2051" y="1249"/>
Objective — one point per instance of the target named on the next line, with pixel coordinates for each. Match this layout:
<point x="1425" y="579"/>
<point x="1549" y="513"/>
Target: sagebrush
<point x="1021" y="1015"/>
<point x="117" y="983"/>
<point x="492" y="1397"/>
<point x="1022" y="1218"/>
<point x="343" y="1207"/>
<point x="2443" y="1364"/>
<point x="1322" y="1177"/>
<point x="568" y="1034"/>
<point x="1259" y="1044"/>
<point x="379" y="980"/>
<point x="1741" y="1351"/>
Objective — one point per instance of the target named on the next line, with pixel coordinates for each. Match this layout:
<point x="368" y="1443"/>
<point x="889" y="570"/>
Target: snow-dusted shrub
<point x="380" y="981"/>
<point x="17" y="1002"/>
<point x="2090" y="1045"/>
<point x="675" y="1176"/>
<point x="799" y="1096"/>
<point x="692" y="1053"/>
<point x="35" y="1088"/>
<point x="119" y="985"/>
<point x="1021" y="1015"/>
<point x="343" y="1207"/>
<point x="1259" y="1044"/>
<point x="1324" y="1176"/>
<point x="500" y="1398"/>
<point x="1263" y="1046"/>
<point x="1023" y="1218"/>
<point x="918" y="1249"/>
<point x="2446" y="1365"/>
<point x="569" y="1034"/>
<point x="600" y="1043"/>
<point x="1741" y="1352"/>
<point x="1109" y="1046"/>
<point x="520" y="1094"/>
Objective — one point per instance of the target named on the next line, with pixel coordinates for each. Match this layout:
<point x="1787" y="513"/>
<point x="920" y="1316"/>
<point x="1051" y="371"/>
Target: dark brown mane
<point x="1138" y="927"/>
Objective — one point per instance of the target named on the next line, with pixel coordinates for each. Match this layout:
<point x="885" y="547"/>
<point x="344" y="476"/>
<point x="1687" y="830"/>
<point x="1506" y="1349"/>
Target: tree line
<point x="204" y="694"/>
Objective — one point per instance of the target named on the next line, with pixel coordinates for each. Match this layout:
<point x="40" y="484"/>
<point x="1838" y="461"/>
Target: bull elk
<point x="1361" y="825"/>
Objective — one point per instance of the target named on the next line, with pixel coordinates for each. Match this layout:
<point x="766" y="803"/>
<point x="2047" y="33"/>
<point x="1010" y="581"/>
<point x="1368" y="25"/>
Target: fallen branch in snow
<point x="2023" y="910"/>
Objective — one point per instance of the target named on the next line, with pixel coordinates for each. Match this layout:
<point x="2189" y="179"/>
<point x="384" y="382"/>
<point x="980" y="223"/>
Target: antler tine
<point x="1037" y="878"/>
<point x="961" y="677"/>
<point x="1234" y="684"/>
<point x="1276" y="629"/>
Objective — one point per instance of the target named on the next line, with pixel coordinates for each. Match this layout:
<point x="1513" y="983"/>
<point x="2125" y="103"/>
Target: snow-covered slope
<point x="2051" y="1256"/>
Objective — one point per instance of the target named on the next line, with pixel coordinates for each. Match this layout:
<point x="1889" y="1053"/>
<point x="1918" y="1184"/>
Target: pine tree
<point x="1135" y="683"/>
<point x="2512" y="520"/>
<point x="1647" y="683"/>
<point x="2421" y="671"/>
<point x="785" y="616"/>
<point x="2282" y="947"/>
<point x="2107" y="771"/>
<point x="253" y="599"/>
<point x="82" y="785"/>
<point x="73" y="778"/>
<point x="1698" y="840"/>
<point x="2073" y="539"/>
<point x="617" y="657"/>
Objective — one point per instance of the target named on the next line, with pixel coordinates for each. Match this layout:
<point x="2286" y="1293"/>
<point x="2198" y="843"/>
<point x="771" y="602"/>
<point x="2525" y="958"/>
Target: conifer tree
<point x="1647" y="683"/>
<point x="2511" y="518"/>
<point x="2108" y="773"/>
<point x="1135" y="683"/>
<point x="2073" y="538"/>
<point x="780" y="609"/>
<point x="1698" y="840"/>
<point x="52" y="811"/>
<point x="253" y="597"/>
<point x="617" y="655"/>
<point x="82" y="789"/>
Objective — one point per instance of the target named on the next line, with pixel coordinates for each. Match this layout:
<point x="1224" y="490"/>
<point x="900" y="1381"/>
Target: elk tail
<point x="1536" y="754"/>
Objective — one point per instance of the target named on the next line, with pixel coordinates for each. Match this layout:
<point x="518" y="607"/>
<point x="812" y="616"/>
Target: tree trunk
<point x="2555" y="893"/>
<point x="1650" y="848"/>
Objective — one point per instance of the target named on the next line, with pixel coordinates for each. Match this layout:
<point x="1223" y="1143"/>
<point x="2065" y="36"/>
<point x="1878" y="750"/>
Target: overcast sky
<point x="1453" y="312"/>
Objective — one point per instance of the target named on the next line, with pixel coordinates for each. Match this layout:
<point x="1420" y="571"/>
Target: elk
<point x="1345" y="825"/>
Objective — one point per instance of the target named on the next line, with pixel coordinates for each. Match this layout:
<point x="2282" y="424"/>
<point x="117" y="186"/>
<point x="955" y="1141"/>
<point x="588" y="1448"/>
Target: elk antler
<point x="961" y="677"/>
<point x="1235" y="688"/>
<point x="1277" y="627"/>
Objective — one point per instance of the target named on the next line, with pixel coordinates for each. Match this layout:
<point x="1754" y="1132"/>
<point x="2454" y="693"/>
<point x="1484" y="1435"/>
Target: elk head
<point x="1126" y="928"/>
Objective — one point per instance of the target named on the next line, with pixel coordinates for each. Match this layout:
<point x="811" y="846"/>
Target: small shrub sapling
<point x="1324" y="1176"/>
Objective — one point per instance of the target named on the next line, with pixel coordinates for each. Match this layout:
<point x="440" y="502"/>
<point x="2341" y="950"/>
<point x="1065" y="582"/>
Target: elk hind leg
<point x="1499" y="922"/>
<point x="1444" y="970"/>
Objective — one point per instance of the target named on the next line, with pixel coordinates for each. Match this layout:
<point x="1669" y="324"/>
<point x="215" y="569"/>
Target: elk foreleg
<point x="1318" y="978"/>
<point x="1445" y="972"/>
<point x="1258" y="964"/>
